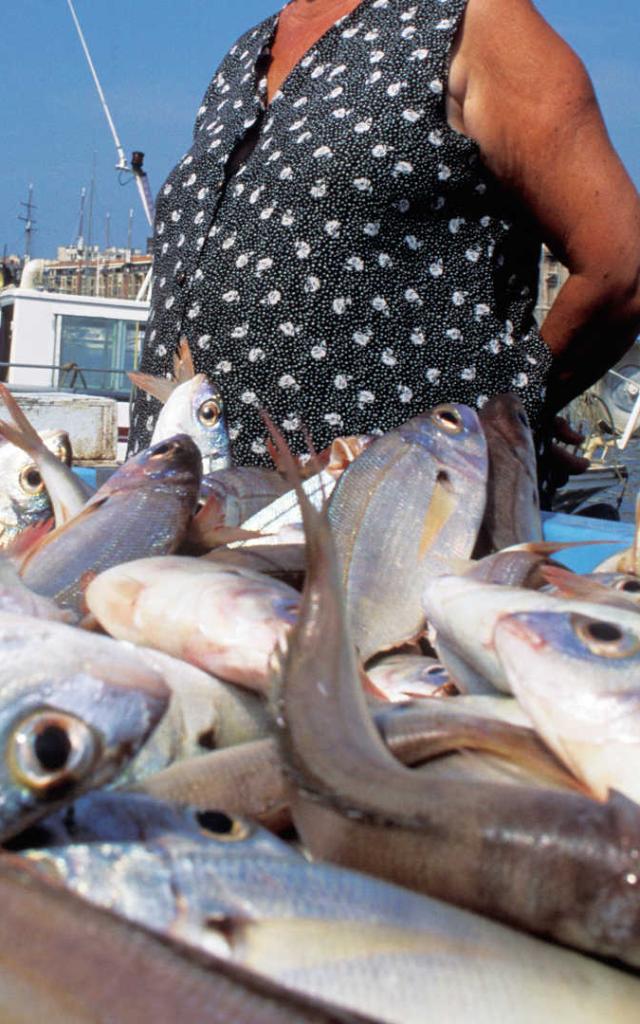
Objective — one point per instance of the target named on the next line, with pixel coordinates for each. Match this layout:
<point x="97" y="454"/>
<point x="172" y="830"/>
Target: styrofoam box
<point x="90" y="421"/>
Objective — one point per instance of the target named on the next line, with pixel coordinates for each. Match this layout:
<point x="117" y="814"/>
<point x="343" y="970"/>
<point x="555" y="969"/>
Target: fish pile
<point x="340" y="741"/>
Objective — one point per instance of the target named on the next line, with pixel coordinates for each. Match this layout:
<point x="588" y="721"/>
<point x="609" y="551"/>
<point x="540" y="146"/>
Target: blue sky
<point x="155" y="58"/>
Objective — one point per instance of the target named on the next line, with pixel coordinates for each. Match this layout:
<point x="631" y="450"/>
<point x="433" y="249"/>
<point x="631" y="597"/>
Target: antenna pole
<point x="122" y="162"/>
<point x="29" y="223"/>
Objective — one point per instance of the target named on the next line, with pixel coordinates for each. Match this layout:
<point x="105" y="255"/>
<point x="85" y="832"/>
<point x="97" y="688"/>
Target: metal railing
<point x="71" y="377"/>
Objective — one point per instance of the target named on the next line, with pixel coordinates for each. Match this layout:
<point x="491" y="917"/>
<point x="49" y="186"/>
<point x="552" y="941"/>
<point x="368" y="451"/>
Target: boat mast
<point x="136" y="167"/>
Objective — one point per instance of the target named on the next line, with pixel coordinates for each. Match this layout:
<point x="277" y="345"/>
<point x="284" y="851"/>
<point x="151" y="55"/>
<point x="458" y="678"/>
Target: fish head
<point x="173" y="462"/>
<point x="63" y="736"/>
<point x="601" y="643"/>
<point x="453" y="434"/>
<point x="196" y="408"/>
<point x="24" y="500"/>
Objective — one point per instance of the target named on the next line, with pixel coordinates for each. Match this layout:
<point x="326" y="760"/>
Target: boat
<point x="58" y="342"/>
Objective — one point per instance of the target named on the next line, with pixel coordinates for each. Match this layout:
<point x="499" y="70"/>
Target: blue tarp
<point x="561" y="527"/>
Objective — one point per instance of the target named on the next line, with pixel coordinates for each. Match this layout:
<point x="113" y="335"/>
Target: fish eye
<point x="630" y="586"/>
<point x="51" y="748"/>
<point x="605" y="638"/>
<point x="222" y="827"/>
<point x="209" y="412"/>
<point x="30" y="480"/>
<point x="448" y="418"/>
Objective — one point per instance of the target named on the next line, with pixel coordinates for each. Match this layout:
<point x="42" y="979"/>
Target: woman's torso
<point x="361" y="264"/>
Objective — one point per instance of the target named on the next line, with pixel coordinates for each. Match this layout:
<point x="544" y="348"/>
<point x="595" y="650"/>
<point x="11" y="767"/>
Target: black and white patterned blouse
<point x="342" y="258"/>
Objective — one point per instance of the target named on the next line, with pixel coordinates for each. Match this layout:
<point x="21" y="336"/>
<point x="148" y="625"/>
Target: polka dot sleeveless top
<point x="341" y="258"/>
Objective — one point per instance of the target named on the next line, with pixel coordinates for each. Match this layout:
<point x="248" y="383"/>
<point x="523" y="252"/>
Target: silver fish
<point x="464" y="612"/>
<point x="226" y="621"/>
<point x="368" y="946"/>
<point x="143" y="509"/>
<point x="512" y="514"/>
<point x="74" y="709"/>
<point x="578" y="678"/>
<point x="24" y="499"/>
<point x="65" y="489"/>
<point x="113" y="816"/>
<point x="407" y="506"/>
<point x="192" y="405"/>
<point x="204" y="714"/>
<point x="69" y="962"/>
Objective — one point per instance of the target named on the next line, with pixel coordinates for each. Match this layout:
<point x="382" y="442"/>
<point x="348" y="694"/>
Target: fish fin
<point x="160" y="387"/>
<point x="183" y="368"/>
<point x="571" y="584"/>
<point x="23" y="434"/>
<point x="440" y="509"/>
<point x="550" y="547"/>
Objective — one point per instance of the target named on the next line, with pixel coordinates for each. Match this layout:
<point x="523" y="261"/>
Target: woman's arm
<point x="524" y="96"/>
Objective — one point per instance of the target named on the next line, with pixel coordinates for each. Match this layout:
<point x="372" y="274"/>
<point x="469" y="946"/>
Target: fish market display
<point x="355" y="805"/>
<point x="145" y="507"/>
<point x="192" y="405"/>
<point x="428" y="477"/>
<point x="378" y="949"/>
<point x="454" y="839"/>
<point x="224" y="620"/>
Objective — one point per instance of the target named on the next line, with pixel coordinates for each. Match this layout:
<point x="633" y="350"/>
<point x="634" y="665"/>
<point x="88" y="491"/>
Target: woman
<point x="355" y="232"/>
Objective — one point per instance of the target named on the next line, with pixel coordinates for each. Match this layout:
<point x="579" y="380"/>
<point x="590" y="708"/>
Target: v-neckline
<point x="270" y="39"/>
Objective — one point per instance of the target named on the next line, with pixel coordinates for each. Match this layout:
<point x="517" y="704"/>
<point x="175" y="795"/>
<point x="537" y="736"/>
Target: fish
<point x="114" y="816"/>
<point x="512" y="513"/>
<point x="74" y="709"/>
<point x="192" y="405"/>
<point x="408" y="505"/>
<point x="326" y="932"/>
<point x="204" y="714"/>
<point x="578" y="678"/>
<point x="282" y="561"/>
<point x="144" y="508"/>
<point x="238" y="493"/>
<point x="554" y="863"/>
<point x="66" y="491"/>
<point x="223" y="620"/>
<point x="401" y="677"/>
<point x="24" y="500"/>
<point x="246" y="780"/>
<point x="69" y="962"/>
<point x="422" y="730"/>
<point x="463" y="613"/>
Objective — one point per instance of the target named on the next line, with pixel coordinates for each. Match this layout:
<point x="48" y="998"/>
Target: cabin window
<point x="96" y="352"/>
